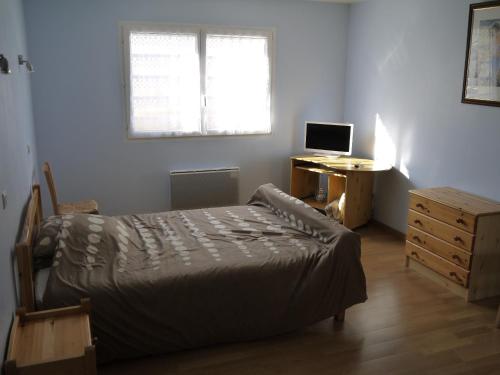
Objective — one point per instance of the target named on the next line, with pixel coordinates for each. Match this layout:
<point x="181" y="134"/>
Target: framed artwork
<point x="482" y="61"/>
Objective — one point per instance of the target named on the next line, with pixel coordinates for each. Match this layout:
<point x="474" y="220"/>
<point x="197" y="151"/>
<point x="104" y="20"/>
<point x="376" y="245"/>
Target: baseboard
<point x="395" y="232"/>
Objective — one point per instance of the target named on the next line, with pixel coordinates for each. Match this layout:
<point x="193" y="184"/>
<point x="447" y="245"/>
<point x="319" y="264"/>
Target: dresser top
<point x="461" y="200"/>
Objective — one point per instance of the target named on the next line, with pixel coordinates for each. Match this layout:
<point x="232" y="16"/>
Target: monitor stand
<point x="326" y="155"/>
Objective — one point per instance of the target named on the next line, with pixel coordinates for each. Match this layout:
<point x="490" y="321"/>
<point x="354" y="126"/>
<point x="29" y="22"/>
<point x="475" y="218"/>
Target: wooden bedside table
<point x="52" y="342"/>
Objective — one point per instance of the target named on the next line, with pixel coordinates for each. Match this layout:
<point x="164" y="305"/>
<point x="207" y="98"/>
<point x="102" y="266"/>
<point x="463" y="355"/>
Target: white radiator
<point x="204" y="188"/>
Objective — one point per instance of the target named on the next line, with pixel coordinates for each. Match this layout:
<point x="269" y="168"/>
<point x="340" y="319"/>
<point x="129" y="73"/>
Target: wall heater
<point x="204" y="188"/>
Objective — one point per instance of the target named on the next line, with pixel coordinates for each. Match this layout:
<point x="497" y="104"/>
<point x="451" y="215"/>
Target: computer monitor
<point x="329" y="138"/>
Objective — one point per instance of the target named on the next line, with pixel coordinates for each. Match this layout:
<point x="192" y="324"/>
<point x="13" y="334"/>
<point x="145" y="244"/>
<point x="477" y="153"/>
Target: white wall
<point x="16" y="164"/>
<point x="78" y="102"/>
<point x="405" y="64"/>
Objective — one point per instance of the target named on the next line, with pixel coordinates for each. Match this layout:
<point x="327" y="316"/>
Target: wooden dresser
<point x="454" y="238"/>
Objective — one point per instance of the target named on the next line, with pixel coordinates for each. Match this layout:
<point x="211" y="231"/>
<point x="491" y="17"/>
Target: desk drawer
<point x="439" y="247"/>
<point x="446" y="232"/>
<point x="449" y="270"/>
<point x="449" y="215"/>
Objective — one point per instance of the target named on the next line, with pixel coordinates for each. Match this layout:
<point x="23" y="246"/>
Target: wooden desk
<point x="351" y="176"/>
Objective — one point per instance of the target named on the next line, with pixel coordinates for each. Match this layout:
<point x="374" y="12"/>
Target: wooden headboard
<point x="24" y="249"/>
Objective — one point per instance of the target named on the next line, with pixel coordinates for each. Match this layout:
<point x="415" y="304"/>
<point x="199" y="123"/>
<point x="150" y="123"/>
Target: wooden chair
<point x="82" y="207"/>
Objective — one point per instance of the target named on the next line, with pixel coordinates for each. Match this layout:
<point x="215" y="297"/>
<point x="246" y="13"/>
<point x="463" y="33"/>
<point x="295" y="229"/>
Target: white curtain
<point x="164" y="84"/>
<point x="237" y="84"/>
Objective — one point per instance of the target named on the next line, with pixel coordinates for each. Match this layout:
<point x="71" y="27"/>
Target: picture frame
<point x="482" y="61"/>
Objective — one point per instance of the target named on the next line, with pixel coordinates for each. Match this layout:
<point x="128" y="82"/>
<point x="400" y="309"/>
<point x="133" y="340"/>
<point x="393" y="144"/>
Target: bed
<point x="176" y="280"/>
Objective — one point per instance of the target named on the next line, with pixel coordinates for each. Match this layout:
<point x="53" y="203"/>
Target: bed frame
<point x="24" y="249"/>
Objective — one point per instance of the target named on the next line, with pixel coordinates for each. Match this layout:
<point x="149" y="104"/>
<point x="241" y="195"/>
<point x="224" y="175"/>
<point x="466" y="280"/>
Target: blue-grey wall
<point x="405" y="65"/>
<point x="79" y="106"/>
<point x="404" y="72"/>
<point x="401" y="88"/>
<point x="16" y="163"/>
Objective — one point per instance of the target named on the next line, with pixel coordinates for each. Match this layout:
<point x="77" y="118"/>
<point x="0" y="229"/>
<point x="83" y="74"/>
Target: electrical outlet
<point x="4" y="200"/>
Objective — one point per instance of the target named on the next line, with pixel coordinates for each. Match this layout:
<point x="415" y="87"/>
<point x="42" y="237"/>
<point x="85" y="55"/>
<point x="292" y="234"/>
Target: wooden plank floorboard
<point x="408" y="326"/>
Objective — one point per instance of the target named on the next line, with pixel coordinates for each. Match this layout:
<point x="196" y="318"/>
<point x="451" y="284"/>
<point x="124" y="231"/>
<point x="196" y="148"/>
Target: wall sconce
<point x="4" y="65"/>
<point x="23" y="61"/>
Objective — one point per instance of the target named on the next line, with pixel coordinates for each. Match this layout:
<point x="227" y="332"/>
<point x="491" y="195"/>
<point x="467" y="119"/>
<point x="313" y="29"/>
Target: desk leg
<point x="302" y="183"/>
<point x="358" y="205"/>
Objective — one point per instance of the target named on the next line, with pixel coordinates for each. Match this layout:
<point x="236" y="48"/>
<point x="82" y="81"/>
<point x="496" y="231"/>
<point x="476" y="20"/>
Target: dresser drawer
<point x="449" y="270"/>
<point x="449" y="215"/>
<point x="439" y="247"/>
<point x="446" y="232"/>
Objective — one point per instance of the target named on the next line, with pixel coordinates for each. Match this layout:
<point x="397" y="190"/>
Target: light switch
<point x="4" y="200"/>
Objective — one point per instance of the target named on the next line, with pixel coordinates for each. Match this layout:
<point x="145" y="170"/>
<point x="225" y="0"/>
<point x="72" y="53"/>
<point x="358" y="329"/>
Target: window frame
<point x="201" y="30"/>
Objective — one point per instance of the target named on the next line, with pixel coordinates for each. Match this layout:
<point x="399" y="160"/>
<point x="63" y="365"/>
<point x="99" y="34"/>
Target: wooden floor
<point x="409" y="325"/>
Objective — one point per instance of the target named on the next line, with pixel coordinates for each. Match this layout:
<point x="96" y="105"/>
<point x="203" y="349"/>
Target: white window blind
<point x="164" y="84"/>
<point x="238" y="97"/>
<point x="188" y="81"/>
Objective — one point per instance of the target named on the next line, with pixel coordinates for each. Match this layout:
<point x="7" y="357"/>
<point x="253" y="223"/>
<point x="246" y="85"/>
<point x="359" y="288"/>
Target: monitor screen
<point x="330" y="138"/>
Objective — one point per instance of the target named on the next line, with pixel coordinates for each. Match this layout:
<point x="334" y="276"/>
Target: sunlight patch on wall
<point x="385" y="149"/>
<point x="404" y="169"/>
<point x="405" y="146"/>
<point x="396" y="56"/>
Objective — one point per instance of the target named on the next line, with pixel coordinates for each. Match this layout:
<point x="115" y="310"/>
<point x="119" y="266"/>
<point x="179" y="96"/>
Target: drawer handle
<point x="418" y="222"/>
<point x="421" y="206"/>
<point x="417" y="238"/>
<point x="457" y="258"/>
<point x="454" y="275"/>
<point x="458" y="239"/>
<point x="461" y="221"/>
<point x="415" y="254"/>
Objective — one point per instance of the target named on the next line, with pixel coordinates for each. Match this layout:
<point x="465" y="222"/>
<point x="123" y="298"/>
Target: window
<point x="191" y="81"/>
